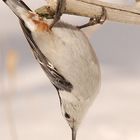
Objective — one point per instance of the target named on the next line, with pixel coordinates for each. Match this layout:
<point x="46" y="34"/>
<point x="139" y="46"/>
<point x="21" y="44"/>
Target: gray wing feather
<point x="55" y="77"/>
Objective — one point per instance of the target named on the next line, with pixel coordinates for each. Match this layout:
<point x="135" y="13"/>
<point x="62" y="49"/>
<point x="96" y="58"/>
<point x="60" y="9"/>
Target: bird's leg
<point x="59" y="11"/>
<point x="96" y="19"/>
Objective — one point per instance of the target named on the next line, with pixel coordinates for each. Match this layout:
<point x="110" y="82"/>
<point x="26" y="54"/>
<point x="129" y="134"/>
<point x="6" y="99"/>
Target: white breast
<point x="70" y="52"/>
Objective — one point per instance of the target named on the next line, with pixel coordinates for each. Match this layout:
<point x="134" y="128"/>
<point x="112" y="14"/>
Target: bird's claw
<point x="96" y="19"/>
<point x="101" y="19"/>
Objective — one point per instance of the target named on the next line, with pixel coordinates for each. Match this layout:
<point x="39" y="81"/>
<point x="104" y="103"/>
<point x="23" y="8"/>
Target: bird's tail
<point x="17" y="6"/>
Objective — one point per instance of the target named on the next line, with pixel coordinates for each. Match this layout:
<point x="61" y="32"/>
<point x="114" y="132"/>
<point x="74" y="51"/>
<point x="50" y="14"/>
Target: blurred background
<point x="29" y="106"/>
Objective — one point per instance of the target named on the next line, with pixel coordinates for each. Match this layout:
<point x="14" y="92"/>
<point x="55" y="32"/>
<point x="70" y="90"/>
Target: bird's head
<point x="73" y="111"/>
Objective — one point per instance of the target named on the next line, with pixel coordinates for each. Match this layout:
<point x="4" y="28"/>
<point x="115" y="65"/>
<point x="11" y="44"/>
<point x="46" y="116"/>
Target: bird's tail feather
<point x="17" y="6"/>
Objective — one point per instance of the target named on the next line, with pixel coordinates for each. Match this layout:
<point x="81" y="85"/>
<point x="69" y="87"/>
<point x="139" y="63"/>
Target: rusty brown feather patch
<point x="37" y="20"/>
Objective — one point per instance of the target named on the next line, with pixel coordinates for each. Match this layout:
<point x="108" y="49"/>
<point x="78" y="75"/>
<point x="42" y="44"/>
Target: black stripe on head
<point x="4" y="0"/>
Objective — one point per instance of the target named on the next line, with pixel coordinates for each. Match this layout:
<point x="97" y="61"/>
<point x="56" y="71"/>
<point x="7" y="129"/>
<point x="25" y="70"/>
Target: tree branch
<point x="90" y="8"/>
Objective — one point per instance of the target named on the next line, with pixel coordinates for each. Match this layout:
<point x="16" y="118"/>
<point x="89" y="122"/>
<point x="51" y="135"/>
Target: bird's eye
<point x="67" y="115"/>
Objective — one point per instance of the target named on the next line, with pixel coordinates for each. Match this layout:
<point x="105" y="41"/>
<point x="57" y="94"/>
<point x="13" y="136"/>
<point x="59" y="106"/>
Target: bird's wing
<point x="53" y="74"/>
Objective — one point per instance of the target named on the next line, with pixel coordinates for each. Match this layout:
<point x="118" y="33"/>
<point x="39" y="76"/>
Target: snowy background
<point x="29" y="106"/>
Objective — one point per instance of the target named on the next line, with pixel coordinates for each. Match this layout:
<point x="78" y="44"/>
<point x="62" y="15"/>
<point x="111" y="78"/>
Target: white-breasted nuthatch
<point x="67" y="58"/>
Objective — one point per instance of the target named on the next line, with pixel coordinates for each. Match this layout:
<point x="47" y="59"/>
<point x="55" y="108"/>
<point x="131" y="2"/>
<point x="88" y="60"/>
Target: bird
<point x="66" y="56"/>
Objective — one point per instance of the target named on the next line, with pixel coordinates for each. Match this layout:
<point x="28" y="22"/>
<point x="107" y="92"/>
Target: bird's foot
<point x="96" y="19"/>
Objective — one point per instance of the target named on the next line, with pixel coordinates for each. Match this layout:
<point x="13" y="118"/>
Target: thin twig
<point x="90" y="8"/>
